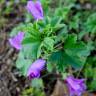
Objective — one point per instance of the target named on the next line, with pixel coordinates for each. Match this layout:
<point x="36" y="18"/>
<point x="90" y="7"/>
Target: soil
<point x="11" y="83"/>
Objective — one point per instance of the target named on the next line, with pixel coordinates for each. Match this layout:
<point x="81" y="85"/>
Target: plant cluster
<point x="62" y="43"/>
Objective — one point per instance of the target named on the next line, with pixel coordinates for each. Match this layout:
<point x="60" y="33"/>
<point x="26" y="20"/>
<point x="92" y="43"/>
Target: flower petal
<point x="36" y="67"/>
<point x="39" y="7"/>
<point x="35" y="9"/>
<point x="70" y="80"/>
<point x="17" y="40"/>
<point x="75" y="86"/>
<point x="34" y="74"/>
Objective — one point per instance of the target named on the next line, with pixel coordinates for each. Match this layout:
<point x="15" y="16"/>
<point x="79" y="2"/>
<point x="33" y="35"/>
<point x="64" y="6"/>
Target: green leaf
<point x="25" y="68"/>
<point x="23" y="64"/>
<point x="19" y="63"/>
<point x="31" y="50"/>
<point x="77" y="51"/>
<point x="87" y="71"/>
<point x="71" y="46"/>
<point x="29" y="40"/>
<point x="57" y="58"/>
<point x="55" y="21"/>
<point x="93" y="85"/>
<point x="39" y="51"/>
<point x="62" y="60"/>
<point x="80" y="49"/>
<point x="71" y="39"/>
<point x="27" y="54"/>
<point x="90" y="24"/>
<point x="37" y="83"/>
<point x="75" y="54"/>
<point x="49" y="67"/>
<point x="62" y="34"/>
<point x="62" y="12"/>
<point x="48" y="43"/>
<point x="74" y="23"/>
<point x="73" y="60"/>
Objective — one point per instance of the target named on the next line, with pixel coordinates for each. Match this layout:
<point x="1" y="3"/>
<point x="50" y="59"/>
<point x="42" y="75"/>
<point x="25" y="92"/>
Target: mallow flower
<point x="35" y="8"/>
<point x="35" y="68"/>
<point x="75" y="86"/>
<point x="17" y="40"/>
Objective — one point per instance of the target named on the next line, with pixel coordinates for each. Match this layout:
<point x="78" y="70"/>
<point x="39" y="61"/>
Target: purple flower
<point x="35" y="8"/>
<point x="17" y="40"/>
<point x="35" y="68"/>
<point x="76" y="86"/>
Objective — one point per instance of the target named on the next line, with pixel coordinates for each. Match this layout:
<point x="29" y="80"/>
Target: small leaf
<point x="38" y="83"/>
<point x="49" y="67"/>
<point x="48" y="43"/>
<point x="90" y="24"/>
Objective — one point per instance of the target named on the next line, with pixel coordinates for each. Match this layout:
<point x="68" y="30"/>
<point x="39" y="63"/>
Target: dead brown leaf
<point x="60" y="89"/>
